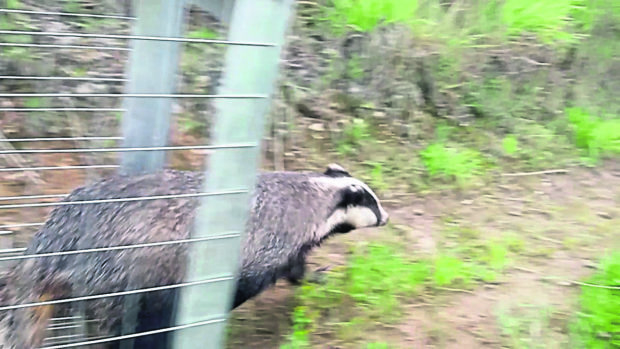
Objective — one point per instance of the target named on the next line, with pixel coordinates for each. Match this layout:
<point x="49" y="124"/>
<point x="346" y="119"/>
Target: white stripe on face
<point x="360" y="217"/>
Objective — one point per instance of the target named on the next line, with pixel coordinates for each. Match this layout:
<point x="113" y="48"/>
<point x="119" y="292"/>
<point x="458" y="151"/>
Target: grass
<point x="451" y="163"/>
<point x="596" y="136"/>
<point x="597" y="323"/>
<point x="551" y="21"/>
<point x="353" y="136"/>
<point x="202" y="33"/>
<point x="366" y="15"/>
<point x="525" y="326"/>
<point x="548" y="19"/>
<point x="379" y="279"/>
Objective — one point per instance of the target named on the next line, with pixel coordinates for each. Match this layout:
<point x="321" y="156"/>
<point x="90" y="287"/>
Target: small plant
<point x="377" y="345"/>
<point x="596" y="136"/>
<point x="13" y="4"/>
<point x="449" y="269"/>
<point x="353" y="136"/>
<point x="597" y="324"/>
<point x="450" y="162"/>
<point x="510" y="144"/>
<point x="365" y="15"/>
<point x="546" y="18"/>
<point x="376" y="179"/>
<point x="300" y="337"/>
<point x="202" y="33"/>
<point x="525" y="326"/>
<point x="377" y="274"/>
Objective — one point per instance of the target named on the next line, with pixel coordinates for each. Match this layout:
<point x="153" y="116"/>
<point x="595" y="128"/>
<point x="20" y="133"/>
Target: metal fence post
<point x="247" y="70"/>
<point x="152" y="68"/>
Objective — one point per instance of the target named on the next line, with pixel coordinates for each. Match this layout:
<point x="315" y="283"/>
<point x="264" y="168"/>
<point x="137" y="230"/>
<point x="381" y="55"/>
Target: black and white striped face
<point x="357" y="206"/>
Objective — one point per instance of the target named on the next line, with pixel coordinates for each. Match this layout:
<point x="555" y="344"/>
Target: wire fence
<point x="67" y="330"/>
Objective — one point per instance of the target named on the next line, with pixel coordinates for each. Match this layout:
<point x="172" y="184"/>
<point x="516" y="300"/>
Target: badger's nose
<point x="385" y="217"/>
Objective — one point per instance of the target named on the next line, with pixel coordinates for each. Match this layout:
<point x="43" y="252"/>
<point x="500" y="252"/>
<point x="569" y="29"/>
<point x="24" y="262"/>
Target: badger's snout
<point x="383" y="220"/>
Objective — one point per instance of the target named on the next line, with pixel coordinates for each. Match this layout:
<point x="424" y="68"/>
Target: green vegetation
<point x="353" y="136"/>
<point x="452" y="163"/>
<point x="510" y="144"/>
<point x="596" y="136"/>
<point x="379" y="279"/>
<point x="549" y="20"/>
<point x="598" y="320"/>
<point x="202" y="33"/>
<point x="367" y="14"/>
<point x="526" y="326"/>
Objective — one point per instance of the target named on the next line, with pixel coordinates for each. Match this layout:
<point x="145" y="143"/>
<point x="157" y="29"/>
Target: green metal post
<point x="247" y="70"/>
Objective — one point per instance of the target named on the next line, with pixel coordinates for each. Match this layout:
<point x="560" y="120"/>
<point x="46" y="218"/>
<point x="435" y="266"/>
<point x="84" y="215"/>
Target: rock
<point x="319" y="127"/>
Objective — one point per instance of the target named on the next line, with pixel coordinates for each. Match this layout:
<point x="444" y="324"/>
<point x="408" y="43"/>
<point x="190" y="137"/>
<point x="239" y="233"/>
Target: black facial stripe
<point x="360" y="198"/>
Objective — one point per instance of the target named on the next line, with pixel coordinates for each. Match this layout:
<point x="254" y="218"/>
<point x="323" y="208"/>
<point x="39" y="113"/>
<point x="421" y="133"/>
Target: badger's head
<point x="355" y="205"/>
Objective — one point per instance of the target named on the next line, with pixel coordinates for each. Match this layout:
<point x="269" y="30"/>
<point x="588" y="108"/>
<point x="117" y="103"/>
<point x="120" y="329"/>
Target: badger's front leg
<point x="296" y="270"/>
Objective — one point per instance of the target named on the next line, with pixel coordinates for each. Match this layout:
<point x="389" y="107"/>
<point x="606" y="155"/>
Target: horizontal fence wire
<point x="128" y="149"/>
<point x="52" y="168"/>
<point x="31" y="197"/>
<point x="78" y="47"/>
<point x="61" y="139"/>
<point x="136" y="335"/>
<point x="230" y="235"/>
<point x="117" y="294"/>
<point x="130" y="199"/>
<point x="135" y="37"/>
<point x="68" y="78"/>
<point x="62" y="109"/>
<point x="134" y="95"/>
<point x="69" y="14"/>
<point x="21" y="225"/>
<point x="12" y="250"/>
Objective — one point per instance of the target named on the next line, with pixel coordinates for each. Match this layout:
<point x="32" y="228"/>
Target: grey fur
<point x="288" y="218"/>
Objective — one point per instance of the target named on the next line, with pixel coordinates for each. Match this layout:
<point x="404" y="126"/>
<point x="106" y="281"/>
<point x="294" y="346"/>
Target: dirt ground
<point x="565" y="220"/>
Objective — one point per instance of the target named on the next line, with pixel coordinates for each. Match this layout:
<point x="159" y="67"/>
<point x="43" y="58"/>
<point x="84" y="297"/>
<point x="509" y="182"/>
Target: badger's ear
<point x="335" y="170"/>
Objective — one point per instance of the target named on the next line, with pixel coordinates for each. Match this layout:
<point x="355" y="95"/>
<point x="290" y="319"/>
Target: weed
<point x="355" y="69"/>
<point x="353" y="136"/>
<point x="300" y="337"/>
<point x="597" y="324"/>
<point x="452" y="163"/>
<point x="547" y="18"/>
<point x="376" y="179"/>
<point x="202" y="33"/>
<point x="449" y="269"/>
<point x="369" y="288"/>
<point x="525" y="326"/>
<point x="596" y="136"/>
<point x="365" y="15"/>
<point x="33" y="102"/>
<point x="377" y="274"/>
<point x="13" y="4"/>
<point x="510" y="144"/>
<point x="377" y="345"/>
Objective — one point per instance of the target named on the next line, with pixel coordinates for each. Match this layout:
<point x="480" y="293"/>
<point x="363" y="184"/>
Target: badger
<point x="290" y="214"/>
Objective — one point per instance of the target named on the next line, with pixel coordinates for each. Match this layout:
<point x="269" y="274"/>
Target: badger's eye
<point x="353" y="197"/>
